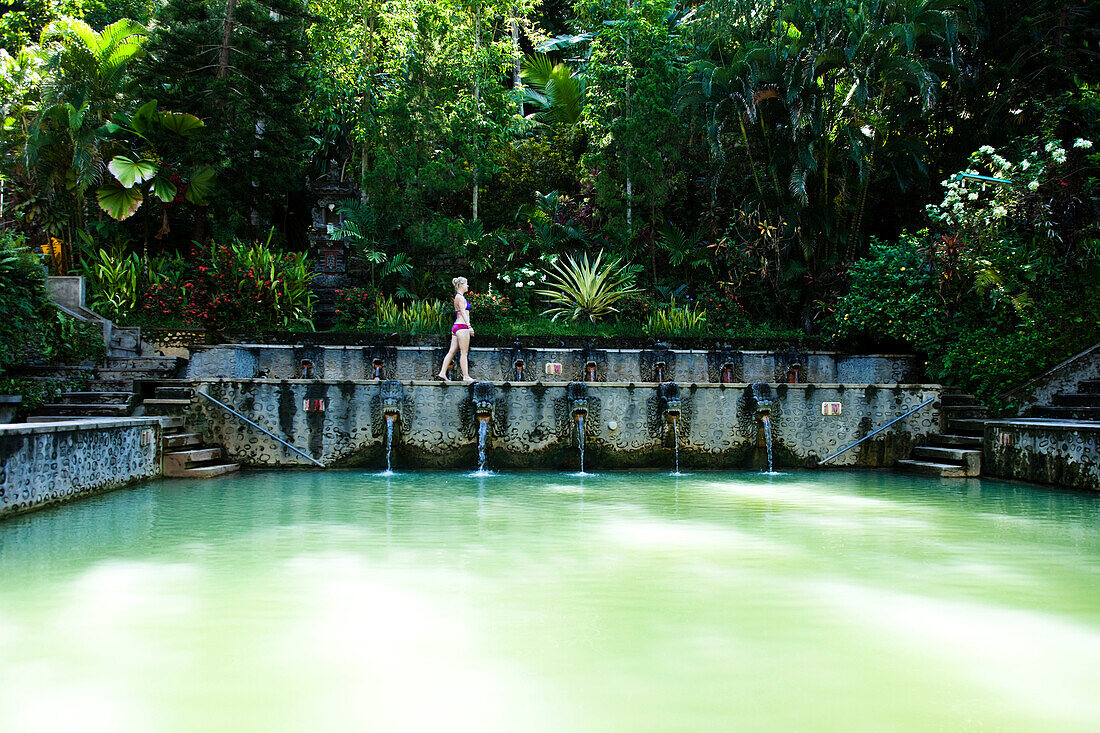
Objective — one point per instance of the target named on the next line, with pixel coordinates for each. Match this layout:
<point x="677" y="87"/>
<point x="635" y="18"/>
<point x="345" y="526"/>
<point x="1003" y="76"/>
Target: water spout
<point x="590" y="372"/>
<point x="378" y="369"/>
<point x="727" y="374"/>
<point x="659" y="369"/>
<point x="518" y="370"/>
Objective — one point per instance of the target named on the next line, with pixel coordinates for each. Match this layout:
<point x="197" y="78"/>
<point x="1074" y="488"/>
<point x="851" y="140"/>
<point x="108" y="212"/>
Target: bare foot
<point x="468" y="380"/>
<point x="443" y="377"/>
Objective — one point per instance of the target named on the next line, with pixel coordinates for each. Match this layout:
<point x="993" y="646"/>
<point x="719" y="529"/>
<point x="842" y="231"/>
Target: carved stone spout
<point x="484" y="398"/>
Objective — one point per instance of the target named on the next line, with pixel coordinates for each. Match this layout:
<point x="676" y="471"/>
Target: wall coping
<point x="1038" y="423"/>
<point x="653" y="385"/>
<point x="443" y="345"/>
<point x="76" y="425"/>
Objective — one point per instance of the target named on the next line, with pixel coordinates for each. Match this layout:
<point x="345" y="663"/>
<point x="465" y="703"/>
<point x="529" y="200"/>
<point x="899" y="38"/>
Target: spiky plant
<point x="586" y="289"/>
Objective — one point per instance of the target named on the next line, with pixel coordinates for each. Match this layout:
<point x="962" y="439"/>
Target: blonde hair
<point x="457" y="281"/>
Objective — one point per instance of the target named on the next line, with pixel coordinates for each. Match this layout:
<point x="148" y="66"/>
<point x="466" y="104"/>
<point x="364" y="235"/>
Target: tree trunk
<point x="477" y="99"/>
<point x="517" y="78"/>
<point x="227" y="32"/>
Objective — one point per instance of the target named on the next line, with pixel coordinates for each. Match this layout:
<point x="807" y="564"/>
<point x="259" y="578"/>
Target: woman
<point x="461" y="332"/>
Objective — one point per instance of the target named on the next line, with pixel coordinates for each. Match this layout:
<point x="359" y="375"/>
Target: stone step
<point x="1090" y="386"/>
<point x="180" y="440"/>
<point x="928" y="468"/>
<point x="969" y="460"/>
<point x="111" y="385"/>
<point x="966" y="426"/>
<point x="212" y="471"/>
<point x="157" y="363"/>
<point x="1067" y="413"/>
<point x="957" y="441"/>
<point x="161" y="402"/>
<point x="91" y="409"/>
<point x="152" y="375"/>
<point x="957" y="398"/>
<point x="52" y="371"/>
<point x="174" y="393"/>
<point x="95" y="397"/>
<point x="179" y="460"/>
<point x="1084" y="399"/>
<point x="171" y="423"/>
<point x="967" y="411"/>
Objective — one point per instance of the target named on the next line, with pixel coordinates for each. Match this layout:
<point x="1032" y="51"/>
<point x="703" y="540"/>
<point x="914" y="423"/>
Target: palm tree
<point x="85" y="87"/>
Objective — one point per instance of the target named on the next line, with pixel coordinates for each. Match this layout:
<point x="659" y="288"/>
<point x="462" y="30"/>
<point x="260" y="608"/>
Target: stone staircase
<point x="113" y="390"/>
<point x="1084" y="404"/>
<point x="958" y="452"/>
<point x="185" y="456"/>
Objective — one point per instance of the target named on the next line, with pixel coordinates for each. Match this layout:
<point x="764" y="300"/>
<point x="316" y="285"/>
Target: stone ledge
<point x="76" y="424"/>
<point x="1032" y="423"/>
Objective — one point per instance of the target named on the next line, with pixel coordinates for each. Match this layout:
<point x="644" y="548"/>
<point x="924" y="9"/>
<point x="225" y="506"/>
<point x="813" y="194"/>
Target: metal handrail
<point x="229" y="409"/>
<point x="926" y="403"/>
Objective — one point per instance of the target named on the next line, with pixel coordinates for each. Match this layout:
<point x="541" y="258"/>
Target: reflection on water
<point x="340" y="601"/>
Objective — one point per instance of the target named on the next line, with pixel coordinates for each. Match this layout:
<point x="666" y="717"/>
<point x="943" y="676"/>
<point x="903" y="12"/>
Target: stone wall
<point x="244" y="361"/>
<point x="535" y="425"/>
<point x="46" y="463"/>
<point x="1048" y="452"/>
<point x="1063" y="377"/>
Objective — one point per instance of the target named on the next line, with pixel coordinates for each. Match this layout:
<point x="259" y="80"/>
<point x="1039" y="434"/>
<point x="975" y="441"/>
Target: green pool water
<point x="344" y="601"/>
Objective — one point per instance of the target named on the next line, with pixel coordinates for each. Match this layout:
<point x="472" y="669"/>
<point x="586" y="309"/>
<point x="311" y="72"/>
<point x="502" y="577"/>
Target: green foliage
<point x="677" y="320"/>
<point x="490" y="306"/>
<point x="355" y="307"/>
<point x="418" y="316"/>
<point x="583" y="289"/>
<point x="972" y="337"/>
<point x="23" y="301"/>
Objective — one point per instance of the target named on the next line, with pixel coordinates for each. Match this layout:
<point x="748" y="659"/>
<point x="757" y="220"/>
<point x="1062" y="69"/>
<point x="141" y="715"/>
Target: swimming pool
<point x="346" y="601"/>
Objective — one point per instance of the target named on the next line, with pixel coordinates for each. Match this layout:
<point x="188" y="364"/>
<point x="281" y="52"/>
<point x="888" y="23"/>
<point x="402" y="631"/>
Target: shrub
<point x="419" y="316"/>
<point x="677" y="320"/>
<point x="24" y="304"/>
<point x="354" y="307"/>
<point x="490" y="306"/>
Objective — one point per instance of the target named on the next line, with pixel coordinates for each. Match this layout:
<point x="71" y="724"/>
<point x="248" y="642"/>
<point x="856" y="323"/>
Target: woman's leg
<point x="450" y="355"/>
<point x="464" y="358"/>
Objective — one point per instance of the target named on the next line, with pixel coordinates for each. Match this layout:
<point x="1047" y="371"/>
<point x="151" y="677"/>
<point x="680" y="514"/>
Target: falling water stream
<point x="676" y="446"/>
<point x="482" y="434"/>
<point x="389" y="441"/>
<point x="766" y="419"/>
<point x="580" y="438"/>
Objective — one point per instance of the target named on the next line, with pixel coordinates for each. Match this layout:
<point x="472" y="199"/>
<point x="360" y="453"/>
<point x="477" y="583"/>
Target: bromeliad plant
<point x="586" y="289"/>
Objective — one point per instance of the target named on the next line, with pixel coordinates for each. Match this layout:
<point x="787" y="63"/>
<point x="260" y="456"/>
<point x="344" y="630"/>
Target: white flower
<point x="505" y="278"/>
<point x="519" y="284"/>
<point x="1025" y="164"/>
<point x="1082" y="143"/>
<point x="531" y="282"/>
<point x="973" y="196"/>
<point x="999" y="212"/>
<point x="1000" y="161"/>
<point x="1050" y="146"/>
<point x="1034" y="185"/>
<point x="1059" y="156"/>
<point x="1016" y="111"/>
<point x="986" y="150"/>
